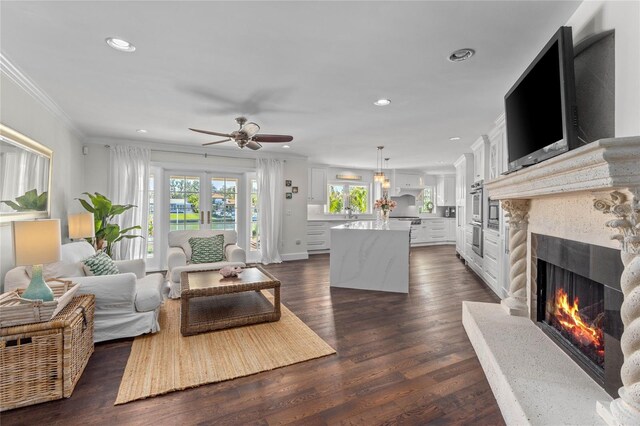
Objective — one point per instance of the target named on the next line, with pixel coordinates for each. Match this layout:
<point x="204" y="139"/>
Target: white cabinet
<point x="498" y="161"/>
<point x="433" y="231"/>
<point x="317" y="186"/>
<point x="451" y="230"/>
<point x="480" y="156"/>
<point x="406" y="181"/>
<point x="460" y="231"/>
<point x="319" y="234"/>
<point x="464" y="178"/>
<point x="491" y="259"/>
<point x="418" y="234"/>
<point x="446" y="191"/>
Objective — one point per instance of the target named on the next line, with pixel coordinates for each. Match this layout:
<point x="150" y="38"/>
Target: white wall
<point x="96" y="169"/>
<point x="294" y="222"/>
<point x="593" y="17"/>
<point x="24" y="113"/>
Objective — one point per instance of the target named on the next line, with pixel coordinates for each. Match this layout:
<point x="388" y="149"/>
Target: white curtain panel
<point x="128" y="184"/>
<point x="270" y="200"/>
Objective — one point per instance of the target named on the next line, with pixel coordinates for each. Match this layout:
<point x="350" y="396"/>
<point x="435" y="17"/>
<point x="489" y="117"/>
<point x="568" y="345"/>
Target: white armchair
<point x="127" y="304"/>
<point x="179" y="255"/>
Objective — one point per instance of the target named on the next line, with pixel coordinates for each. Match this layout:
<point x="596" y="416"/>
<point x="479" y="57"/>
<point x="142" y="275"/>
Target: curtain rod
<point x="205" y="155"/>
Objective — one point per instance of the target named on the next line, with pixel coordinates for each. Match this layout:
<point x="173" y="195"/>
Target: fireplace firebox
<point x="578" y="304"/>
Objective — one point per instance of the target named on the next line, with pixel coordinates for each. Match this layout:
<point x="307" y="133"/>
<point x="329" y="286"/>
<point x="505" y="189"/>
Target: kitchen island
<point x="370" y="255"/>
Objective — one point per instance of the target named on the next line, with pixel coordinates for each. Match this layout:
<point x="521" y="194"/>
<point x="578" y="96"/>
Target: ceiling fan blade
<point x="250" y="129"/>
<point x="213" y="143"/>
<point x="207" y="132"/>
<point x="272" y="138"/>
<point x="253" y="145"/>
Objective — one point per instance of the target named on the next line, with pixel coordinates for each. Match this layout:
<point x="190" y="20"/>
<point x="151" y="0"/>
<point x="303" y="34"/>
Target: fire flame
<point x="568" y="316"/>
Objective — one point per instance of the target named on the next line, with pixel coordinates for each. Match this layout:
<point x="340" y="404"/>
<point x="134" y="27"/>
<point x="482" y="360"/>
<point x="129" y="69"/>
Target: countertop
<point x="340" y="218"/>
<point x="365" y="218"/>
<point x="371" y="225"/>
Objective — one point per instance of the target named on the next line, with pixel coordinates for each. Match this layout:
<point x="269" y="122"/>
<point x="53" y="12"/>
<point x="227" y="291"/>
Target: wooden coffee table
<point x="210" y="302"/>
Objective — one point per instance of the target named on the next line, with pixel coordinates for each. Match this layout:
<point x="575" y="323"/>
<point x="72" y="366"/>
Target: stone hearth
<point x="566" y="197"/>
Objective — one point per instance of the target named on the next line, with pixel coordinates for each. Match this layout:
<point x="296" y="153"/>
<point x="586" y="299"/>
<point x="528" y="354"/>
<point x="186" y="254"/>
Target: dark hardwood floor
<point x="402" y="359"/>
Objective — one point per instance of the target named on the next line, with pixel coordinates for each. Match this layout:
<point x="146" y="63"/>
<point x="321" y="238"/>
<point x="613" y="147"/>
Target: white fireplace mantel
<point x="563" y="196"/>
<point x="602" y="165"/>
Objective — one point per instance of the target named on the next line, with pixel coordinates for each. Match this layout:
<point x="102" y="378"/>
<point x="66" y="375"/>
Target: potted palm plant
<point x="104" y="212"/>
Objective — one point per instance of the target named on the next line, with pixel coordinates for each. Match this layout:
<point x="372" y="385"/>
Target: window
<point x="254" y="238"/>
<point x="150" y="217"/>
<point x="342" y="196"/>
<point x="426" y="206"/>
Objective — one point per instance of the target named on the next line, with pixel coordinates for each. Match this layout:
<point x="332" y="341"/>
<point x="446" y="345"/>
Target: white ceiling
<point x="309" y="69"/>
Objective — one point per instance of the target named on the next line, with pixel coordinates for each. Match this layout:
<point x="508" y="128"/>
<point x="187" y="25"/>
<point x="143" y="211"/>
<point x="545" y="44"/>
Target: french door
<point x="203" y="201"/>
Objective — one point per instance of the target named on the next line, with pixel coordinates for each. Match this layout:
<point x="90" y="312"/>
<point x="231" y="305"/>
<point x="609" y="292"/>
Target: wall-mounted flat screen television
<point x="540" y="108"/>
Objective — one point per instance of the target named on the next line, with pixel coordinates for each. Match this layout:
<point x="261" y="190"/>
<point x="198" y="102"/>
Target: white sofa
<point x="179" y="255"/>
<point x="127" y="304"/>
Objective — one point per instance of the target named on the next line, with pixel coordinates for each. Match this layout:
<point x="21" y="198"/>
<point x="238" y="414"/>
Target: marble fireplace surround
<point x="564" y="197"/>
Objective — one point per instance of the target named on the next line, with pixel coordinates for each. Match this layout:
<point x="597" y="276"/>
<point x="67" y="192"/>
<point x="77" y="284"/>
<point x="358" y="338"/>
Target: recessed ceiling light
<point x="286" y="146"/>
<point x="382" y="102"/>
<point x="461" y="55"/>
<point x="454" y="138"/>
<point x="141" y="131"/>
<point x="120" y="44"/>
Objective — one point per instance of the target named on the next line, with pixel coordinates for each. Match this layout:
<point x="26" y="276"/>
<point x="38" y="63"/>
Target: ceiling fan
<point x="247" y="135"/>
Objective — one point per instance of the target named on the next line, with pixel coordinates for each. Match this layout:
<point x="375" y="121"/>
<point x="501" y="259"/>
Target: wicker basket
<point x="44" y="361"/>
<point x="15" y="310"/>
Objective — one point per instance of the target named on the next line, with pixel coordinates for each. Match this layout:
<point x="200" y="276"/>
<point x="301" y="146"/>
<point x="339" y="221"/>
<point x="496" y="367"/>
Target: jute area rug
<point x="166" y="361"/>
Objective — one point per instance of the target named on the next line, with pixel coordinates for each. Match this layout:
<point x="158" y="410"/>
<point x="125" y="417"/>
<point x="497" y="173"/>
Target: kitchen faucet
<point x="350" y="214"/>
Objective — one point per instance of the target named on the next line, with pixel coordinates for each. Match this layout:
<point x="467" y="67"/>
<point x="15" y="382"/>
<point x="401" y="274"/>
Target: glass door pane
<point x="184" y="200"/>
<point x="254" y="237"/>
<point x="224" y="194"/>
<point x="152" y="198"/>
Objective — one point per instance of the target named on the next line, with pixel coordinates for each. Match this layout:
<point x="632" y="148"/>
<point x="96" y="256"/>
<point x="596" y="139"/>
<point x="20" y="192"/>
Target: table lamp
<point x="36" y="242"/>
<point x="81" y="225"/>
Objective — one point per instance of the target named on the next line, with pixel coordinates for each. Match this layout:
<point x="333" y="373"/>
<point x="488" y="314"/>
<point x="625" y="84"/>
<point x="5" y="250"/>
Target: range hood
<point x="406" y="206"/>
<point x="414" y="191"/>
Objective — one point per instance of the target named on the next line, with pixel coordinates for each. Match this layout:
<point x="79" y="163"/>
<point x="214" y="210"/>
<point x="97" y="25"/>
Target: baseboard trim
<point x="303" y="255"/>
<point x="435" y="243"/>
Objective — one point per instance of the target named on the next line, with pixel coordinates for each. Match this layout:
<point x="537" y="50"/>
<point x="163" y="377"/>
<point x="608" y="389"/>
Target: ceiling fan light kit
<point x="246" y="136"/>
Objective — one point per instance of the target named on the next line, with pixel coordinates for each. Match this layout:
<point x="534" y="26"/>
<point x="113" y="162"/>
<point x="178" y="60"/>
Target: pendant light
<point x="387" y="183"/>
<point x="378" y="176"/>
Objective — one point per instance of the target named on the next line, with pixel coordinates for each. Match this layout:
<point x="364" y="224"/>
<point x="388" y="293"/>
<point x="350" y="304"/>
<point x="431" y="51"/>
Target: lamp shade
<point x="378" y="177"/>
<point x="36" y="241"/>
<point x="81" y="225"/>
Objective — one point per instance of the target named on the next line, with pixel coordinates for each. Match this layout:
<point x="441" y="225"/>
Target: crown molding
<point x="162" y="146"/>
<point x="25" y="83"/>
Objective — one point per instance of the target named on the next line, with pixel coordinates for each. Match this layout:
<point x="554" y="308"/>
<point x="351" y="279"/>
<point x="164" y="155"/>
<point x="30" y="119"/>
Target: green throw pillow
<point x="207" y="250"/>
<point x="100" y="264"/>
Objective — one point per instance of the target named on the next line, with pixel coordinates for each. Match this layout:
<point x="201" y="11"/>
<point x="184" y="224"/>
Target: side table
<point x="44" y="361"/>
